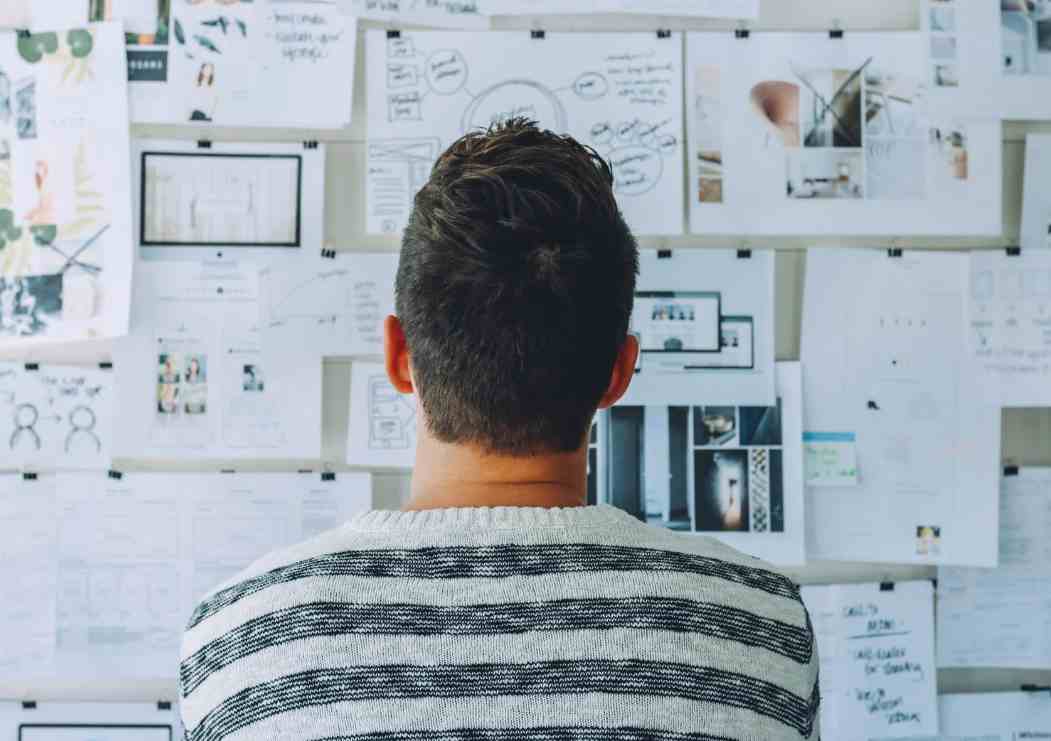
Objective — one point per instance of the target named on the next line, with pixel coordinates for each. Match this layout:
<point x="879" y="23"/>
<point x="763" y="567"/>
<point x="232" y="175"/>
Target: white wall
<point x="1027" y="433"/>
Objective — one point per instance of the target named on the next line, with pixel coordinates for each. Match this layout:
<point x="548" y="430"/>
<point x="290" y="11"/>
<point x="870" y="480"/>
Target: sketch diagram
<point x="620" y="95"/>
<point x="392" y="418"/>
<point x="56" y="417"/>
<point x="318" y="298"/>
<point x="382" y="420"/>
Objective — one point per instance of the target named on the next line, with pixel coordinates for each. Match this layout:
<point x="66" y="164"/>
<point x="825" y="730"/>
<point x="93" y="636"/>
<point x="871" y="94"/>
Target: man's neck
<point x="463" y="476"/>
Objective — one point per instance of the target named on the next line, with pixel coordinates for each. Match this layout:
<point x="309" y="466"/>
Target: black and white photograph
<point x="738" y="490"/>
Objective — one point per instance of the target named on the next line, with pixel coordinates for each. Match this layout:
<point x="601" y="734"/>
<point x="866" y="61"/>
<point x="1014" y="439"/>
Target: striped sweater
<point x="503" y="624"/>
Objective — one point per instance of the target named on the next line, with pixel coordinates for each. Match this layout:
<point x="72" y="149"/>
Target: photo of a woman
<point x="195" y="386"/>
<point x="203" y="100"/>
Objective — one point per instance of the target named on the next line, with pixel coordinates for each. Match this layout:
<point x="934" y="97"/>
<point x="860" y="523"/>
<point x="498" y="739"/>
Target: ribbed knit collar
<point x="491" y="518"/>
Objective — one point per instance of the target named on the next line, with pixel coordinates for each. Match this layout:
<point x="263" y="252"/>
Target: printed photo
<point x="949" y="148"/>
<point x="1025" y="27"/>
<point x="831" y="108"/>
<point x="30" y="305"/>
<point x="714" y="426"/>
<point x="892" y="104"/>
<point x="738" y="491"/>
<point x="710" y="190"/>
<point x="943" y="17"/>
<point x="169" y="377"/>
<point x="252" y="378"/>
<point x="946" y="75"/>
<point x="194" y="388"/>
<point x="928" y="540"/>
<point x="825" y="174"/>
<point x="943" y="47"/>
<point x="760" y="425"/>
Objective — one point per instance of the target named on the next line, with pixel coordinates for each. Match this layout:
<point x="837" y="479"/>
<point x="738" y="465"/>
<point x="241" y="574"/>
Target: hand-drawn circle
<point x="636" y="170"/>
<point x="591" y="86"/>
<point x="446" y="71"/>
<point x="513" y="98"/>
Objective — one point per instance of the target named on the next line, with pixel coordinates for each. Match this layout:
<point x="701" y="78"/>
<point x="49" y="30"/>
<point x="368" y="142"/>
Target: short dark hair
<point x="515" y="288"/>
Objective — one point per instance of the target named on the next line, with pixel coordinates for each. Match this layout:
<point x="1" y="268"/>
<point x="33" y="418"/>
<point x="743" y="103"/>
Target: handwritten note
<point x="444" y="13"/>
<point x="306" y="36"/>
<point x="876" y="644"/>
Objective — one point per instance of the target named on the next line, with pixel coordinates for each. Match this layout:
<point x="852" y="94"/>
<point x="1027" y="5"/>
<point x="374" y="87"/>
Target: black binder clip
<point x="663" y="254"/>
<point x="1010" y="470"/>
<point x="164" y="705"/>
<point x="32" y="366"/>
<point x="311" y="144"/>
<point x="1014" y="251"/>
<point x="393" y="33"/>
<point x="1036" y="688"/>
<point x="115" y="475"/>
<point x="328" y="254"/>
<point x="227" y="470"/>
<point x="742" y="33"/>
<point x="29" y="476"/>
<point x="886" y="586"/>
<point x="537" y="34"/>
<point x="894" y="252"/>
<point x="328" y="476"/>
<point x="835" y="33"/>
<point x="663" y="33"/>
<point x="744" y="254"/>
<point x="204" y="144"/>
<point x="105" y="366"/>
<point x="29" y="704"/>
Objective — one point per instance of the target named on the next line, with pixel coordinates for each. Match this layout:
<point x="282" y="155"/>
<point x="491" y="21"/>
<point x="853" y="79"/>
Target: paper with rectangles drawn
<point x="240" y="62"/>
<point x="993" y="716"/>
<point x="383" y="422"/>
<point x="1009" y="337"/>
<point x="990" y="59"/>
<point x="876" y="647"/>
<point x="102" y="572"/>
<point x="242" y="200"/>
<point x="744" y="9"/>
<point x="55" y="417"/>
<point x="730" y="472"/>
<point x="619" y="92"/>
<point x="28" y="576"/>
<point x="193" y="381"/>
<point x="96" y="721"/>
<point x="327" y="305"/>
<point x="705" y="323"/>
<point x="884" y="353"/>
<point x="440" y="13"/>
<point x="800" y="133"/>
<point x="1002" y="617"/>
<point x="1036" y="201"/>
<point x="65" y="186"/>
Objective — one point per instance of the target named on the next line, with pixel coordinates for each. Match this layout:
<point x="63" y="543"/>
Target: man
<point x="495" y="606"/>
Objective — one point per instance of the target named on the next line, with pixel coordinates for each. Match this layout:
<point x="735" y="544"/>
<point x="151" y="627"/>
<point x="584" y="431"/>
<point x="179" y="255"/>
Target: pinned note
<point x="876" y="644"/>
<point x="831" y="458"/>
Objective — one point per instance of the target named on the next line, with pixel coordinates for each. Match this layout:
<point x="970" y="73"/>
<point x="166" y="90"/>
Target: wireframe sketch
<point x="392" y="417"/>
<point x="221" y="199"/>
<point x="1025" y="27"/>
<point x="619" y="94"/>
<point x="319" y="298"/>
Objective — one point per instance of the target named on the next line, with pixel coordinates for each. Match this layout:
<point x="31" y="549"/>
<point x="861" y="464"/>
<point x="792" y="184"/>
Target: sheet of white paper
<point x="440" y="13"/>
<point x="382" y="421"/>
<point x="327" y="306"/>
<point x="325" y="505"/>
<point x="884" y="356"/>
<point x="734" y="473"/>
<point x="876" y="648"/>
<point x="988" y="58"/>
<point x="618" y="92"/>
<point x="745" y="9"/>
<point x="706" y="327"/>
<point x="1036" y="201"/>
<point x="246" y="200"/>
<point x="119" y="607"/>
<point x="257" y="63"/>
<point x="805" y="134"/>
<point x="1003" y="617"/>
<point x="1009" y="348"/>
<point x="88" y="721"/>
<point x="28" y="576"/>
<point x="993" y="716"/>
<point x="193" y="381"/>
<point x="65" y="216"/>
<point x="55" y="417"/>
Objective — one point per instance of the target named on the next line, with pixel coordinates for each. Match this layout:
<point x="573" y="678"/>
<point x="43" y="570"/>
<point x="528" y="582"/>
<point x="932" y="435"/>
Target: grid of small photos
<point x="944" y="68"/>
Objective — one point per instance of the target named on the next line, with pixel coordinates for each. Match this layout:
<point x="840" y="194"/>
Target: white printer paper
<point x="994" y="716"/>
<point x="620" y="93"/>
<point x="328" y="305"/>
<point x="884" y="353"/>
<point x="800" y="133"/>
<point x="28" y="573"/>
<point x="1009" y="338"/>
<point x="876" y="647"/>
<point x="382" y="421"/>
<point x="193" y="380"/>
<point x="55" y="417"/>
<point x="705" y="323"/>
<point x="1036" y="200"/>
<point x="1002" y="617"/>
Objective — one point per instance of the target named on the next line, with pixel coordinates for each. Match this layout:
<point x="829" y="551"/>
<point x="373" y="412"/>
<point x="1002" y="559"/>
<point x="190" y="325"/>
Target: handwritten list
<point x="876" y="646"/>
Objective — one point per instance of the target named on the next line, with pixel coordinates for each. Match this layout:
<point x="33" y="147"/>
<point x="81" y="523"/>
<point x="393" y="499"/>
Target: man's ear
<point x="396" y="355"/>
<point x="623" y="372"/>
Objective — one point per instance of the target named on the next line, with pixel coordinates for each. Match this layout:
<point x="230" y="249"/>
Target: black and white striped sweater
<point x="502" y="624"/>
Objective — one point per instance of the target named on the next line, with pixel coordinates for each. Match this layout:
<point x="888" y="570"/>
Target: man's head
<point x="514" y="292"/>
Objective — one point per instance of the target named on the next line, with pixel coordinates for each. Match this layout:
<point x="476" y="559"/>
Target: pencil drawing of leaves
<point x="7" y="196"/>
<point x="180" y="36"/>
<point x="90" y="207"/>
